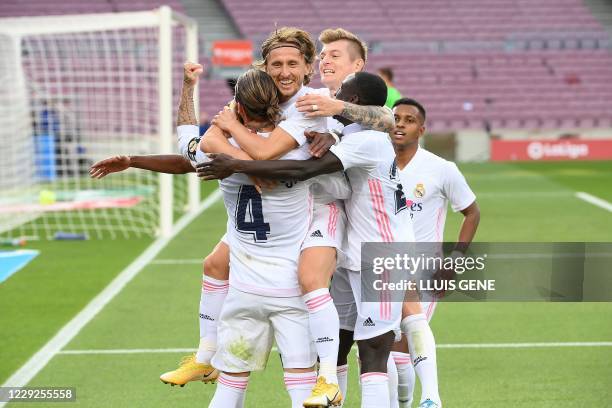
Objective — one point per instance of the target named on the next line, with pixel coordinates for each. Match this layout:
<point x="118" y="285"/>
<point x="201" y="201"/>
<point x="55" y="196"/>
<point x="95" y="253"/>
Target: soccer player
<point x="264" y="298"/>
<point x="430" y="183"/>
<point x="264" y="302"/>
<point x="288" y="54"/>
<point x="366" y="156"/>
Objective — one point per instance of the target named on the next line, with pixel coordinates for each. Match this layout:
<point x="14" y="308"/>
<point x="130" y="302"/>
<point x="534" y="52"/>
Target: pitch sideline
<point x="39" y="360"/>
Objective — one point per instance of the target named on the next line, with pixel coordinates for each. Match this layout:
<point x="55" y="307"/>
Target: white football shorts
<point x="366" y="319"/>
<point x="250" y="323"/>
<point x="327" y="227"/>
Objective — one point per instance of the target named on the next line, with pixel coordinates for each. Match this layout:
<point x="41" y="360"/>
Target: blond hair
<point x="258" y="95"/>
<point x="359" y="48"/>
<point x="289" y="37"/>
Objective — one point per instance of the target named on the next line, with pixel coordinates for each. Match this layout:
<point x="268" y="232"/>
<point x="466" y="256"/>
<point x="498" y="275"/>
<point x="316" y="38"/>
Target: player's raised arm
<point x="162" y="163"/>
<point x="186" y="111"/>
<point x="186" y="117"/>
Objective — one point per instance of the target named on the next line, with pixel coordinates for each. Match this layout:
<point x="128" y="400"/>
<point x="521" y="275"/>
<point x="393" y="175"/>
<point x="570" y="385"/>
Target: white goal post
<point x="78" y="88"/>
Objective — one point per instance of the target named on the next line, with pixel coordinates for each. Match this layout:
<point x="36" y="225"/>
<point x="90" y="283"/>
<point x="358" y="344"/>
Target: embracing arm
<point x="373" y="117"/>
<point x="277" y="144"/>
<point x="162" y="163"/>
<point x="214" y="141"/>
<point x="223" y="166"/>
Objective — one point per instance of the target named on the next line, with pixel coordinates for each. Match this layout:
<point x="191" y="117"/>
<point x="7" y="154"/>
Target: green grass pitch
<point x="158" y="309"/>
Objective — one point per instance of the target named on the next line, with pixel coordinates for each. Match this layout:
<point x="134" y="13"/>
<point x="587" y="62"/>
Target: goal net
<point x="77" y="89"/>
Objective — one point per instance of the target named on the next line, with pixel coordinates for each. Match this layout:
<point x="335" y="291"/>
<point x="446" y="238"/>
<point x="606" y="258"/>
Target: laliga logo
<point x="540" y="150"/>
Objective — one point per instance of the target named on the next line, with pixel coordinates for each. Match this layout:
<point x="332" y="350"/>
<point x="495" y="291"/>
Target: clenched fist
<point x="191" y="72"/>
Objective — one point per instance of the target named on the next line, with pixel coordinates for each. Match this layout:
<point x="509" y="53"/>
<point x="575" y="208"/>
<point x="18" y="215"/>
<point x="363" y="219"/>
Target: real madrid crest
<point x="419" y="190"/>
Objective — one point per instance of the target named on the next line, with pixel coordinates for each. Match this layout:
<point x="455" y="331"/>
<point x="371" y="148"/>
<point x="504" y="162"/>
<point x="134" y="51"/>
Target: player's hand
<point x="263" y="184"/>
<point x="319" y="142"/>
<point x="318" y="105"/>
<point x="225" y="119"/>
<point x="110" y="165"/>
<point x="191" y="72"/>
<point x="441" y="276"/>
<point x="220" y="167"/>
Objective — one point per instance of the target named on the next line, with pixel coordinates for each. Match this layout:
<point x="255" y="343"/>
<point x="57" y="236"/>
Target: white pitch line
<point x="525" y="345"/>
<point x="599" y="202"/>
<point x="440" y="346"/>
<point x="39" y="360"/>
<point x="178" y="261"/>
<point x="535" y="194"/>
<point x="130" y="351"/>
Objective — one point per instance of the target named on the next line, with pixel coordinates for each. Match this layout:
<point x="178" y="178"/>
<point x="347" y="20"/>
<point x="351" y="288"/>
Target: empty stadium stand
<point x="474" y="63"/>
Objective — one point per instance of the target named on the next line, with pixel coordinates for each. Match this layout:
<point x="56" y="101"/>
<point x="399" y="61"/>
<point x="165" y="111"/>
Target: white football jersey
<point x="265" y="231"/>
<point x="377" y="210"/>
<point x="327" y="187"/>
<point x="430" y="183"/>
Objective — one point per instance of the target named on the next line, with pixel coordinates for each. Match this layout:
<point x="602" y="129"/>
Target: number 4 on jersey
<point x="249" y="214"/>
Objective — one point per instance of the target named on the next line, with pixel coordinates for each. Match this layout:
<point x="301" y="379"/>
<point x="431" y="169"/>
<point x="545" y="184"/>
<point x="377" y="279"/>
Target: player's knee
<point x="215" y="268"/>
<point x="312" y="280"/>
<point x="374" y="353"/>
<point x="401" y="346"/>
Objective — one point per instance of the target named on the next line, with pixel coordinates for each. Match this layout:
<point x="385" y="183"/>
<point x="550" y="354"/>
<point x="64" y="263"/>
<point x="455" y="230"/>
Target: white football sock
<point x="343" y="380"/>
<point x="374" y="390"/>
<point x="324" y="328"/>
<point x="299" y="386"/>
<point x="229" y="392"/>
<point x="406" y="378"/>
<point x="392" y="375"/>
<point x="213" y="295"/>
<point x="422" y="346"/>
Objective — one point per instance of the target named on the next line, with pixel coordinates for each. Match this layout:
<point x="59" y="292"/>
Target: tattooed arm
<point x="373" y="117"/>
<point x="186" y="111"/>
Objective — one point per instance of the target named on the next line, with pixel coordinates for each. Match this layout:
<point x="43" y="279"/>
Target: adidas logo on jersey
<point x="323" y="340"/>
<point x="316" y="234"/>
<point x="206" y="317"/>
<point x="369" y="323"/>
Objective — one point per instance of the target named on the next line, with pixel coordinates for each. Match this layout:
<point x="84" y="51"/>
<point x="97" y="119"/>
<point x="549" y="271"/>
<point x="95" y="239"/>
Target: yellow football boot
<point x="324" y="395"/>
<point x="190" y="370"/>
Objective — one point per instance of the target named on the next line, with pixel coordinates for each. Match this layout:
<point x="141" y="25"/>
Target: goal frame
<point x="163" y="19"/>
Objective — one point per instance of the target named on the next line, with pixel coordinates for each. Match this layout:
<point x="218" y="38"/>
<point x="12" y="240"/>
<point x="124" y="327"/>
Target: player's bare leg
<point x="230" y="391"/>
<point x="422" y="347"/>
<point x="197" y="367"/>
<point x="315" y="268"/>
<point x="344" y="349"/>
